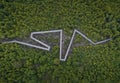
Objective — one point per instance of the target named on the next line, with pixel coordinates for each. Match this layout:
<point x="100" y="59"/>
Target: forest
<point x="97" y="19"/>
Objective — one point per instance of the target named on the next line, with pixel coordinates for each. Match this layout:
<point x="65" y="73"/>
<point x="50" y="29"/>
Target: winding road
<point x="47" y="47"/>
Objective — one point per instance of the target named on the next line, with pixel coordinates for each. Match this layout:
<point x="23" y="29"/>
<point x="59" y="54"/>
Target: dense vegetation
<point x="98" y="19"/>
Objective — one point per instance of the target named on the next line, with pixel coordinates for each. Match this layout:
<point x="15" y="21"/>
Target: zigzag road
<point x="47" y="47"/>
